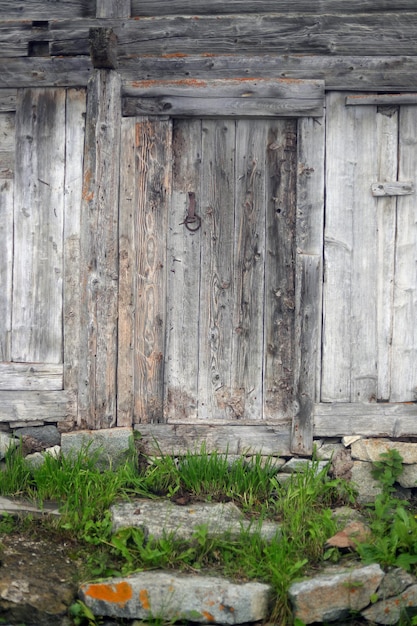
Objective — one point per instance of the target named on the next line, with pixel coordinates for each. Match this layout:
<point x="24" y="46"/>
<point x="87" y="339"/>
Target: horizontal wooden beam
<point x="382" y="99"/>
<point x="241" y="97"/>
<point x="372" y="420"/>
<point x="350" y="73"/>
<point x="45" y="9"/>
<point x="46" y="406"/>
<point x="394" y="188"/>
<point x="236" y="438"/>
<point x="279" y="33"/>
<point x="31" y="376"/>
<point x="202" y="7"/>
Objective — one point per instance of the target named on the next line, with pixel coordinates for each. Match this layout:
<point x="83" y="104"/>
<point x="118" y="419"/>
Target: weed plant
<point x="85" y="493"/>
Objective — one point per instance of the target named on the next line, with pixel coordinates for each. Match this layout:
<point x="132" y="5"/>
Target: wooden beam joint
<point x="103" y="48"/>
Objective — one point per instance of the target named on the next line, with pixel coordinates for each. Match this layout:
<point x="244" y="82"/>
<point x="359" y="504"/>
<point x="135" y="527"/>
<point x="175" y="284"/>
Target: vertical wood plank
<point x="183" y="276"/>
<point x="309" y="277"/>
<point x="6" y="267"/>
<point x="74" y="148"/>
<point x="387" y="164"/>
<point x="249" y="266"/>
<point x="338" y="249"/>
<point x="113" y="8"/>
<point x="7" y="136"/>
<point x="127" y="206"/>
<point x="38" y="226"/>
<point x="99" y="253"/>
<point x="153" y="171"/>
<point x="217" y="398"/>
<point x="404" y="341"/>
<point x="280" y="270"/>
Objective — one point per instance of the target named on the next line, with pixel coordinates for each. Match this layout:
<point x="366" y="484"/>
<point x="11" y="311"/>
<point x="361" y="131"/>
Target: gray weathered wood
<point x="201" y="7"/>
<point x="47" y="406"/>
<point x="394" y="188"/>
<point x="214" y="98"/>
<point x="218" y="395"/>
<point x="237" y="438"/>
<point x="112" y="8"/>
<point x="373" y="420"/>
<point x="31" y="376"/>
<point x="355" y="73"/>
<point x="404" y="335"/>
<point x="38" y="226"/>
<point x="359" y="34"/>
<point x="6" y="267"/>
<point x="7" y="100"/>
<point x="74" y="134"/>
<point x="183" y="276"/>
<point x="144" y="206"/>
<point x="103" y="48"/>
<point x="38" y="72"/>
<point x="309" y="272"/>
<point x="99" y="253"/>
<point x="280" y="271"/>
<point x="390" y="99"/>
<point x="46" y="9"/>
<point x="7" y="145"/>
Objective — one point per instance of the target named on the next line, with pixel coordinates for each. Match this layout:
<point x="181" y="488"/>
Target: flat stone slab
<point x="159" y="517"/>
<point x="170" y="596"/>
<point x="14" y="507"/>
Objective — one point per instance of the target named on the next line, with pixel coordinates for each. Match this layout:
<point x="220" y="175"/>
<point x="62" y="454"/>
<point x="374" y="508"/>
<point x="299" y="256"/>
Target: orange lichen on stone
<point x="144" y="599"/>
<point x="117" y="593"/>
<point x="209" y="617"/>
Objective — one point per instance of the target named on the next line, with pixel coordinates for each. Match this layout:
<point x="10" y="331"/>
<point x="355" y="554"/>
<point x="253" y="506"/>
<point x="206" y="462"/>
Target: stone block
<point x="157" y="517"/>
<point x="6" y="442"/>
<point x="371" y="449"/>
<point x="301" y="465"/>
<point x="364" y="482"/>
<point x="390" y="611"/>
<point x="111" y="445"/>
<point x="408" y="478"/>
<point x="168" y="597"/>
<point x="47" y="436"/>
<point x="333" y="596"/>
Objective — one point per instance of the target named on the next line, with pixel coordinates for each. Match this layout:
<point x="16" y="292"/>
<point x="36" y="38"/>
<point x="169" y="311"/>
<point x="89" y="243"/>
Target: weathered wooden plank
<point x="42" y="72"/>
<point x="390" y="99"/>
<point x="404" y="337"/>
<point x="372" y="419"/>
<point x="7" y="145"/>
<point x="8" y="100"/>
<point x="46" y="9"/>
<point x="387" y="169"/>
<point x="394" y="188"/>
<point x="15" y="37"/>
<point x="125" y="331"/>
<point x="352" y="73"/>
<point x="308" y="321"/>
<point x="150" y="214"/>
<point x="217" y="7"/>
<point x="103" y="48"/>
<point x="38" y="226"/>
<point x="27" y="406"/>
<point x="74" y="148"/>
<point x="281" y="168"/>
<point x="6" y="266"/>
<point x="238" y="438"/>
<point x="217" y="396"/>
<point x="31" y="376"/>
<point x="360" y="34"/>
<point x="99" y="253"/>
<point x="183" y="275"/>
<point x="338" y="246"/>
<point x="112" y="8"/>
<point x="248" y="277"/>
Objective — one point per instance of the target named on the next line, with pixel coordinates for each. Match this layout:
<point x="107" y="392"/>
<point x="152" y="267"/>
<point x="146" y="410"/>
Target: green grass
<point x="301" y="506"/>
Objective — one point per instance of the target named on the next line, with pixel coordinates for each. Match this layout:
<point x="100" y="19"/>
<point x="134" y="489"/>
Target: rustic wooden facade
<point x="208" y="219"/>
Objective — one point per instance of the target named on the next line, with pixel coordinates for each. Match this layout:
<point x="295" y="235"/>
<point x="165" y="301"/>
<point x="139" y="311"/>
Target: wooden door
<point x="207" y="331"/>
<point x="370" y="279"/>
<point x="40" y="170"/>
